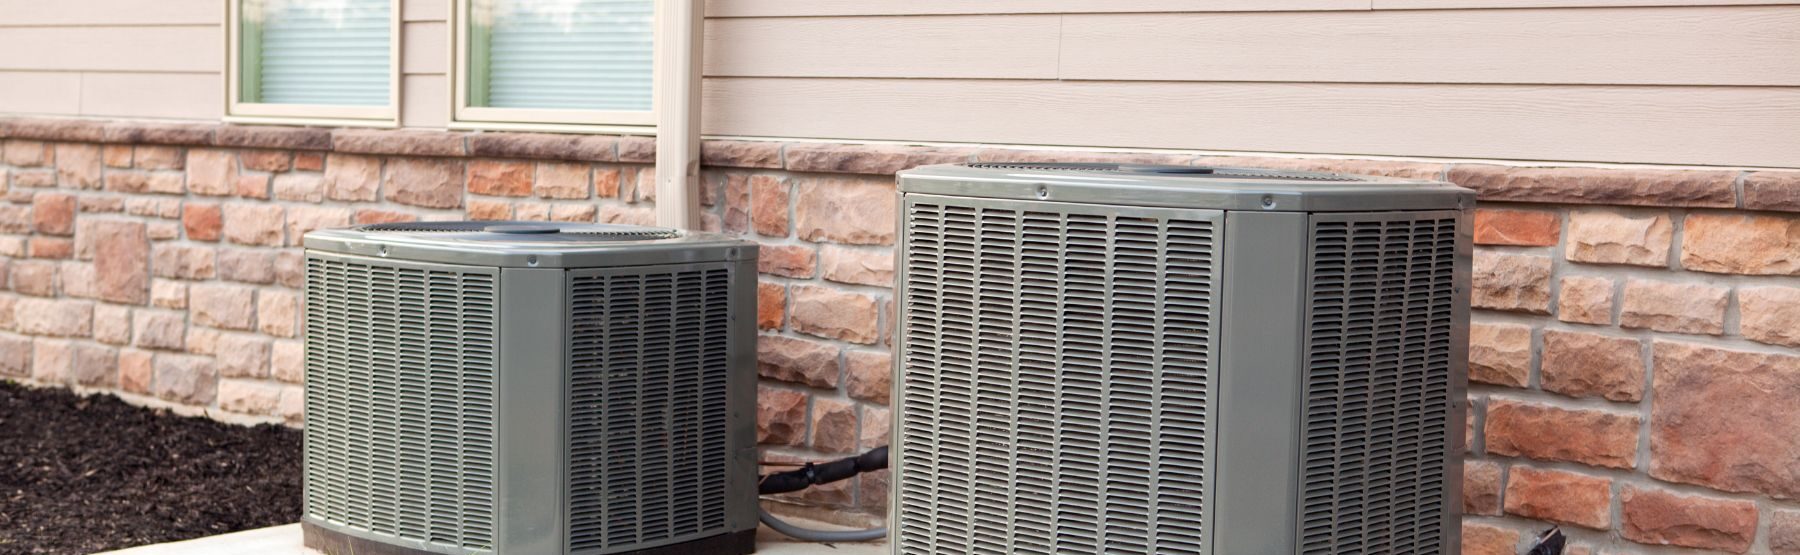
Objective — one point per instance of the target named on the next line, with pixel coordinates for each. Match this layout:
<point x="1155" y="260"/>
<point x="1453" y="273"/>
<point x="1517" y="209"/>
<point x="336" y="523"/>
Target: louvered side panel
<point x="1044" y="408"/>
<point x="443" y="427"/>
<point x="359" y="450"/>
<point x="1035" y="487"/>
<point x="706" y="392"/>
<point x="1083" y="328"/>
<point x="400" y="399"/>
<point x="383" y="392"/>
<point x="1378" y="383"/>
<point x="956" y="384"/>
<point x="647" y="396"/>
<point x="1184" y="352"/>
<point x="1133" y="432"/>
<point x="917" y="449"/>
<point x="477" y="338"/>
<point x="995" y="357"/>
<point x="415" y="398"/>
<point x="318" y="456"/>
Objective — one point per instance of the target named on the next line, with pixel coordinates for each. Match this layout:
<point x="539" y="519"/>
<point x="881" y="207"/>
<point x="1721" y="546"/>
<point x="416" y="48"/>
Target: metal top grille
<point x="1054" y="388"/>
<point x="1378" y="385"/>
<point x="530" y="231"/>
<point x="1070" y="166"/>
<point x="1194" y="172"/>
<point x="427" y="227"/>
<point x="647" y="401"/>
<point x="400" y="400"/>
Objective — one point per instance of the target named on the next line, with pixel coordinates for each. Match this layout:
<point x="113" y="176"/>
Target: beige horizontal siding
<point x="112" y="59"/>
<point x="111" y="12"/>
<point x="1686" y="46"/>
<point x="1704" y="85"/>
<point x="180" y="48"/>
<point x="777" y="8"/>
<point x="424" y="63"/>
<point x="34" y="92"/>
<point x="995" y="47"/>
<point x="789" y="8"/>
<point x="1670" y="125"/>
<point x="425" y="10"/>
<point x="153" y="95"/>
<point x="1463" y="4"/>
<point x="424" y="47"/>
<point x="1710" y="82"/>
<point x="424" y="101"/>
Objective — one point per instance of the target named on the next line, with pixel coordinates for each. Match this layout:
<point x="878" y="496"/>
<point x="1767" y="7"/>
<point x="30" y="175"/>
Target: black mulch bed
<point x="85" y="474"/>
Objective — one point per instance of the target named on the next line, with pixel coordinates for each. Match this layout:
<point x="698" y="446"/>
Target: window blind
<point x="568" y="54"/>
<point x="317" y="52"/>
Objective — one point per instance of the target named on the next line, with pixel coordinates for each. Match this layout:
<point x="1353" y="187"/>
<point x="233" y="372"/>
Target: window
<point x="524" y="63"/>
<point x="301" y="61"/>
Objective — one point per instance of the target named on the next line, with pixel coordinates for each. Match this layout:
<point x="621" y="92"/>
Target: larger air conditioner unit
<point x="1103" y="358"/>
<point x="522" y="388"/>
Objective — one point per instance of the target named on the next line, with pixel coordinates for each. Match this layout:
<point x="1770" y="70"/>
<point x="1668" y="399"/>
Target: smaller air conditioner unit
<point x="519" y="388"/>
<point x="1104" y="358"/>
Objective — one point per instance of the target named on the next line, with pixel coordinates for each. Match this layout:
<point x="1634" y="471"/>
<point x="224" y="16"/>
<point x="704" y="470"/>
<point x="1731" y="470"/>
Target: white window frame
<point x="237" y="111"/>
<point x="464" y="116"/>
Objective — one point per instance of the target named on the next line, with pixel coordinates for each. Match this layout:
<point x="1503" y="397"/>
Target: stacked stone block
<point x="1633" y="372"/>
<point x="1634" y="360"/>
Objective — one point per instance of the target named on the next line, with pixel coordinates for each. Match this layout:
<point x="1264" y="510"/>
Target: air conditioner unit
<point x="1103" y="358"/>
<point x="529" y="389"/>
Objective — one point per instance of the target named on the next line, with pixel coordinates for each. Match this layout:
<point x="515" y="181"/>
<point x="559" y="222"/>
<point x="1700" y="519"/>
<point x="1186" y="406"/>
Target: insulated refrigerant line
<point x="816" y="474"/>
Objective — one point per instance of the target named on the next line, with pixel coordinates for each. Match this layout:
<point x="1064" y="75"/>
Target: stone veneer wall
<point x="1635" y="372"/>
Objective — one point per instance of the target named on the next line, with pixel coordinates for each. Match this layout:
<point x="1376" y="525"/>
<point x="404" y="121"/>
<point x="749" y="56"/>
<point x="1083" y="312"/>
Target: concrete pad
<point x="770" y="542"/>
<point x="285" y="540"/>
<point x="821" y="549"/>
<point x="274" y="540"/>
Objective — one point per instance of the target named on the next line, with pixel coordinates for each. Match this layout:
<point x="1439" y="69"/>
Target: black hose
<point x="1550" y="542"/>
<point x="824" y="473"/>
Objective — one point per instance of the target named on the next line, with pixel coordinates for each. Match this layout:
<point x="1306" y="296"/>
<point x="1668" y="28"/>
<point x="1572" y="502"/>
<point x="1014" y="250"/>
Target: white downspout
<point x="680" y="27"/>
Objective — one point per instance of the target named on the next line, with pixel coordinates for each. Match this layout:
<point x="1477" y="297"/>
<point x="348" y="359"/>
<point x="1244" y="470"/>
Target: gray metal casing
<point x="1251" y="271"/>
<point x="544" y="348"/>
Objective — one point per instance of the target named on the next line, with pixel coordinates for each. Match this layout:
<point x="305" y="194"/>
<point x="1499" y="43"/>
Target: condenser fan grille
<point x="1177" y="360"/>
<point x="1054" y="381"/>
<point x="1378" y="384"/>
<point x="400" y="399"/>
<point x="495" y="388"/>
<point x="647" y="400"/>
